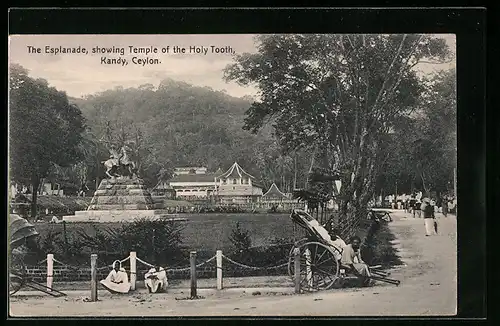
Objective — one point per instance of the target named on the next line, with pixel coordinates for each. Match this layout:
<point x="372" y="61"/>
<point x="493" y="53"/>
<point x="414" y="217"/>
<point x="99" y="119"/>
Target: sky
<point x="83" y="74"/>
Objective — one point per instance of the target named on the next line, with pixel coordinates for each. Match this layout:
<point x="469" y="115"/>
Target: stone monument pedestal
<point x="121" y="199"/>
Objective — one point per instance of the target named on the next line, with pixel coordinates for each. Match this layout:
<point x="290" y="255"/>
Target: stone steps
<point x="118" y="216"/>
<point x="119" y="200"/>
<point x="122" y="194"/>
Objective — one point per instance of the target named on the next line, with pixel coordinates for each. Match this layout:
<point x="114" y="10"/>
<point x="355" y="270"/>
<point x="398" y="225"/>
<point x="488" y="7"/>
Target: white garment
<point x="429" y="226"/>
<point x="117" y="282"/>
<point x="324" y="233"/>
<point x="340" y="245"/>
<point x="155" y="284"/>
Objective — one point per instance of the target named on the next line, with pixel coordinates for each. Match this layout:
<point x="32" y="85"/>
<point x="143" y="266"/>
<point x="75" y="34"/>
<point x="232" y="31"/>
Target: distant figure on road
<point x="444" y="206"/>
<point x="351" y="260"/>
<point x="411" y="205"/>
<point x="156" y="280"/>
<point x="428" y="211"/>
<point x="117" y="280"/>
<point x="417" y="209"/>
<point x="452" y="206"/>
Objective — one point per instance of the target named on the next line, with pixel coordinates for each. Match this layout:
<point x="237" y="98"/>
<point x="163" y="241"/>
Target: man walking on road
<point x="412" y="204"/>
<point x="444" y="206"/>
<point x="428" y="211"/>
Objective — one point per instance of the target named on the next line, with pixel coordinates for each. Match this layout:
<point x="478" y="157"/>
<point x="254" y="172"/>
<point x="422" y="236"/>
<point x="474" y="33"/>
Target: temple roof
<point x="274" y="192"/>
<point x="235" y="171"/>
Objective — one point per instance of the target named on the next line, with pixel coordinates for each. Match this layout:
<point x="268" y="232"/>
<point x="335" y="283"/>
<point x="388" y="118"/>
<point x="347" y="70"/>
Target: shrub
<point x="240" y="238"/>
<point x="157" y="240"/>
<point x="50" y="243"/>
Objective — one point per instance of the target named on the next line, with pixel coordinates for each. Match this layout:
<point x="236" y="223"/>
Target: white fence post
<point x="308" y="268"/>
<point x="133" y="270"/>
<point x="296" y="263"/>
<point x="93" y="277"/>
<point x="219" y="269"/>
<point x="50" y="271"/>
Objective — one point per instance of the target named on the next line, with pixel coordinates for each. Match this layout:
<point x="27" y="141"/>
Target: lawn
<point x="208" y="231"/>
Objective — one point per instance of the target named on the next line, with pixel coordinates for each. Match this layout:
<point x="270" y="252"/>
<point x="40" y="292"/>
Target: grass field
<point x="209" y="231"/>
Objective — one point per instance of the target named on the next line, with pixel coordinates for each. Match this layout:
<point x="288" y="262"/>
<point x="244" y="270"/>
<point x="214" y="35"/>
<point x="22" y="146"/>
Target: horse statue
<point x="120" y="164"/>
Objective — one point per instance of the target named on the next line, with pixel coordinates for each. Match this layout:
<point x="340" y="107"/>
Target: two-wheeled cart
<point x="320" y="267"/>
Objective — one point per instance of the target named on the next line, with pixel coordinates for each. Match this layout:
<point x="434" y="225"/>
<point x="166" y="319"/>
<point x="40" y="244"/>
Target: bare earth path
<point x="429" y="287"/>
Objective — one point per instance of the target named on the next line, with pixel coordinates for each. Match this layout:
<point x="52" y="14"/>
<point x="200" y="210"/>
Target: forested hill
<point x="177" y="124"/>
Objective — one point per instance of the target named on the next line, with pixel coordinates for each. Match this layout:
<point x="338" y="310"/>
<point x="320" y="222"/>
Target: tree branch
<point x="398" y="81"/>
<point x="382" y="88"/>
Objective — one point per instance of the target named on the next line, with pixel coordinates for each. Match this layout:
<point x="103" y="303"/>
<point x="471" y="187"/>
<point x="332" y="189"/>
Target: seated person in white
<point x="323" y="233"/>
<point x="336" y="239"/>
<point x="156" y="280"/>
<point x="117" y="280"/>
<point x="351" y="260"/>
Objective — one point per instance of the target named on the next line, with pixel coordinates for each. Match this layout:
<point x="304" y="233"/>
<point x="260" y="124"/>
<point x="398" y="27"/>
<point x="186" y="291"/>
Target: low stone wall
<point x="65" y="274"/>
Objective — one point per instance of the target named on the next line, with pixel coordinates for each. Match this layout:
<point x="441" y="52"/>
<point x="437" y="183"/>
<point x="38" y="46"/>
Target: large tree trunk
<point x="294" y="172"/>
<point x="35" y="183"/>
<point x="310" y="166"/>
<point x="426" y="189"/>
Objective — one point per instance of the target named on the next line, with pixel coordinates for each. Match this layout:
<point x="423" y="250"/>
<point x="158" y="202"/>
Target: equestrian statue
<point x="119" y="163"/>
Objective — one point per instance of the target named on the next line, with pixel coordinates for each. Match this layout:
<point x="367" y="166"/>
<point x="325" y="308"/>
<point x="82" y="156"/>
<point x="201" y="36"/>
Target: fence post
<point x="219" y="269"/>
<point x="93" y="277"/>
<point x="296" y="263"/>
<point x="192" y="262"/>
<point x="50" y="271"/>
<point x="308" y="268"/>
<point x="65" y="236"/>
<point x="133" y="270"/>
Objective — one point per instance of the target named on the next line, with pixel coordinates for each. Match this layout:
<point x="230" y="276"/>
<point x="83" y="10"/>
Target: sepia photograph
<point x="232" y="175"/>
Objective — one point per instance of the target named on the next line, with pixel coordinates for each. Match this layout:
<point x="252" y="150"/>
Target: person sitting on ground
<point x="156" y="280"/>
<point x="117" y="280"/>
<point x="351" y="260"/>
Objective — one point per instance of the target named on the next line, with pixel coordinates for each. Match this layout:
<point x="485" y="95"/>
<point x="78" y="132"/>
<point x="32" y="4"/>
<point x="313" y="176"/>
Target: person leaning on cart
<point x="352" y="262"/>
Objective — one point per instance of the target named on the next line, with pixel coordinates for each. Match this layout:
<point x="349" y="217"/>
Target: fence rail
<point x="51" y="268"/>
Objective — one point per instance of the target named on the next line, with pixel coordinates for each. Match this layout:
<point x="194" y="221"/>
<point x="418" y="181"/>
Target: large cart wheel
<point x="291" y="257"/>
<point x="319" y="268"/>
<point x="17" y="279"/>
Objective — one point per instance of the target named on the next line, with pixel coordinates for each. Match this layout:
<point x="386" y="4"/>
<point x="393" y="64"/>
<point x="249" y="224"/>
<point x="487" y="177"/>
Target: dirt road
<point x="429" y="287"/>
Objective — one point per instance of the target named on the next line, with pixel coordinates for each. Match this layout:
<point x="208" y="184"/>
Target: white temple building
<point x="236" y="186"/>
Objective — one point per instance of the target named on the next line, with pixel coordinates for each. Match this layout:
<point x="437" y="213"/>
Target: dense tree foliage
<point x="45" y="129"/>
<point x="338" y="94"/>
<point x="423" y="147"/>
<point x="177" y="124"/>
